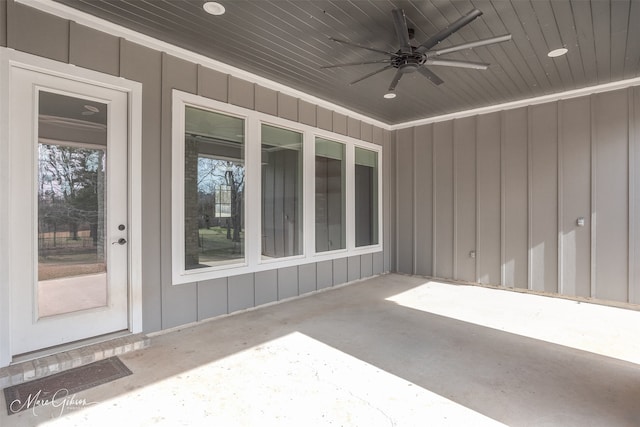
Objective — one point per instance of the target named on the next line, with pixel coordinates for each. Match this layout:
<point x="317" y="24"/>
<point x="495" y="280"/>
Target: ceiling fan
<point x="410" y="58"/>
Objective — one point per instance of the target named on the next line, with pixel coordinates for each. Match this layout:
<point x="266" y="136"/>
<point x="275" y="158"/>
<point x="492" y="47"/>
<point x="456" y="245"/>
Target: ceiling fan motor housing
<point x="408" y="62"/>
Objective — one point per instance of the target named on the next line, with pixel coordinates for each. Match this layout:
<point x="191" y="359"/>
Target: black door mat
<point x="63" y="384"/>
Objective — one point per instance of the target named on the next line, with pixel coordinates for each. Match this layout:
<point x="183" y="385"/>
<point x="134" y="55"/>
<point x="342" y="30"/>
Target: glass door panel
<point x="72" y="157"/>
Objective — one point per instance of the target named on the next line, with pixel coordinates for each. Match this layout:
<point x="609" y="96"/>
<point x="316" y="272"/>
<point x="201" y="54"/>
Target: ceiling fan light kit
<point x="408" y="59"/>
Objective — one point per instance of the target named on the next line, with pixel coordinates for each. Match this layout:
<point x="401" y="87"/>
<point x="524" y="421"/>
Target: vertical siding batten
<point x="516" y="198"/>
<point x="213" y="84"/>
<point x="529" y="199"/>
<point x="503" y="205"/>
<point x="634" y="291"/>
<point x="340" y="274"/>
<point x="489" y="200"/>
<point x="423" y="212"/>
<point x="477" y="202"/>
<point x="353" y="268"/>
<point x="543" y="220"/>
<point x="631" y="191"/>
<point x="266" y="286"/>
<point x="307" y="113"/>
<point x="288" y="282"/>
<point x="144" y="65"/>
<point x="287" y="107"/>
<point x="212" y="298"/>
<point x="560" y="198"/>
<point x="179" y="303"/>
<point x="443" y="232"/>
<point x="324" y="118"/>
<point x="241" y="93"/>
<point x="575" y="163"/>
<point x="454" y="173"/>
<point x="389" y="164"/>
<point x="414" y="197"/>
<point x="307" y="281"/>
<point x="634" y="197"/>
<point x="465" y="198"/>
<point x="405" y="179"/>
<point x="612" y="182"/>
<point x="339" y="123"/>
<point x="324" y="274"/>
<point x="434" y="199"/>
<point x="266" y="100"/>
<point x="240" y="291"/>
<point x="594" y="175"/>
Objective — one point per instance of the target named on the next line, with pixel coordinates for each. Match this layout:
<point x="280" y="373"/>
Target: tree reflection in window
<point x="214" y="188"/>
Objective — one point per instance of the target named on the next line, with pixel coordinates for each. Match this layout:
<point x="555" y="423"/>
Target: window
<point x="281" y="192"/>
<point x="214" y="178"/>
<point x="252" y="192"/>
<point x="330" y="195"/>
<point x="366" y="197"/>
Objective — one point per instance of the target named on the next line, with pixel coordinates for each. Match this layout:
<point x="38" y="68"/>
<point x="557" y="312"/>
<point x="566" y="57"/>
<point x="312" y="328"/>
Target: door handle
<point x="121" y="241"/>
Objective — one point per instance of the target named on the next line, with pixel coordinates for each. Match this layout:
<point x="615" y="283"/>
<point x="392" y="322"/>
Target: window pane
<point x="366" y="197"/>
<point x="281" y="192"/>
<point x="330" y="195"/>
<point x="214" y="177"/>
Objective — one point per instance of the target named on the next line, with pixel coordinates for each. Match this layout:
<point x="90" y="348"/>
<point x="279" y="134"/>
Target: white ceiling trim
<point x="66" y="12"/>
<point x="83" y="18"/>
<point x="590" y="90"/>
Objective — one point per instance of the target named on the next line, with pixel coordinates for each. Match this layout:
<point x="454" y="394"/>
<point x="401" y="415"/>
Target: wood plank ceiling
<point x="288" y="42"/>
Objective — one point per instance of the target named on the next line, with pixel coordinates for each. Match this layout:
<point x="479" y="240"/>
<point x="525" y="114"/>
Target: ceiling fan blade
<point x="395" y="80"/>
<point x="460" y="64"/>
<point x="402" y="32"/>
<point x="430" y="75"/>
<point x="346" y="64"/>
<point x="362" y="47"/>
<point x="443" y="34"/>
<point x="470" y="45"/>
<point x="371" y="74"/>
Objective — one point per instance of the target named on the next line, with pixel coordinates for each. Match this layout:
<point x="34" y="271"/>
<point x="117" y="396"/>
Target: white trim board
<point x="589" y="90"/>
<point x="66" y="12"/>
<point x="100" y="24"/>
<point x="5" y="289"/>
<point x="11" y="58"/>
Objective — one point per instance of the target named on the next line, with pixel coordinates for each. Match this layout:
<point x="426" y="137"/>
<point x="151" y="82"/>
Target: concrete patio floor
<point x="389" y="351"/>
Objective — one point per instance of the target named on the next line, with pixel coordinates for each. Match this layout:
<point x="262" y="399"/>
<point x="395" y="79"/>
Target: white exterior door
<point x="68" y="145"/>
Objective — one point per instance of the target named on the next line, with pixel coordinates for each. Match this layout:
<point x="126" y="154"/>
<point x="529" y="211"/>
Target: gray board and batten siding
<point x="508" y="187"/>
<point x="164" y="305"/>
<point x="492" y="198"/>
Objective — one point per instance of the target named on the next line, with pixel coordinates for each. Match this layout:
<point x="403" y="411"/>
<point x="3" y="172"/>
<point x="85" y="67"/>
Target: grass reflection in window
<point x="214" y="189"/>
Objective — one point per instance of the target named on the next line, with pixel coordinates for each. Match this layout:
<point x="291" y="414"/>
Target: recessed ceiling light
<point x="213" y="7"/>
<point x="389" y="95"/>
<point x="557" y="52"/>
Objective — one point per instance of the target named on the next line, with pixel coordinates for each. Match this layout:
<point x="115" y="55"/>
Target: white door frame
<point x="9" y="59"/>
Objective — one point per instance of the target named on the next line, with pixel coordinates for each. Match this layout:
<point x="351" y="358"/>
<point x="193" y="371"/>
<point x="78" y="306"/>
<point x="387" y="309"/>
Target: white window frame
<point x="253" y="261"/>
<point x="181" y="100"/>
<point x="286" y="125"/>
<point x="344" y="250"/>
